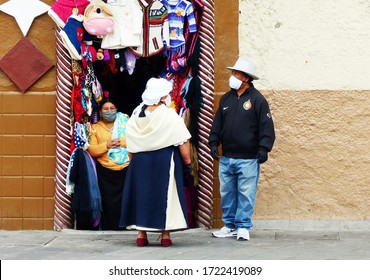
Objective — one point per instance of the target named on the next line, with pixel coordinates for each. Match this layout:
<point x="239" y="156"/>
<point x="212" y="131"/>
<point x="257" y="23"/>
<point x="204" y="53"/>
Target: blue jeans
<point x="238" y="188"/>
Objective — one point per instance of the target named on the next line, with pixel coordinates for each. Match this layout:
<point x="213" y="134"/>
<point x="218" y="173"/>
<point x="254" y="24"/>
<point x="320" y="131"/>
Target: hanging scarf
<point x="80" y="142"/>
<point x="119" y="155"/>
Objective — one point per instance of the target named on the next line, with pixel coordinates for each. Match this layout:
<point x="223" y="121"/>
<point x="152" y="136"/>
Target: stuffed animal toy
<point x="100" y="54"/>
<point x="103" y="55"/>
<point x="98" y="18"/>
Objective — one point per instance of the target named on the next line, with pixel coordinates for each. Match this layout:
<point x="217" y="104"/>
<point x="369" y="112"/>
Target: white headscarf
<point x="156" y="88"/>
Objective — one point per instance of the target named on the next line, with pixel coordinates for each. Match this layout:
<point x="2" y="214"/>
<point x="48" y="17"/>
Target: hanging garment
<point x="178" y="11"/>
<point x="86" y="202"/>
<point x="119" y="155"/>
<point x="181" y="18"/>
<point x="128" y="20"/>
<point x="191" y="38"/>
<point x="155" y="29"/>
<point x="80" y="142"/>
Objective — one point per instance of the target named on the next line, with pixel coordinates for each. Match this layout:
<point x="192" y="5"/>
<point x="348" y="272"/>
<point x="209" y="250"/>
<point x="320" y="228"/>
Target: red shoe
<point x="142" y="242"/>
<point x="166" y="242"/>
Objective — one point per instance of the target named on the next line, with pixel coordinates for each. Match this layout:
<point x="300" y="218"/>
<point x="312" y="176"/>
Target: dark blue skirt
<point x="145" y="194"/>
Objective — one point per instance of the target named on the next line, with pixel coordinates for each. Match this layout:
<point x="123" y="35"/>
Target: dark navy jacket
<point x="243" y="125"/>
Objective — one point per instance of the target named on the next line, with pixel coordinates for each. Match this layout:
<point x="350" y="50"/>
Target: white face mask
<point x="167" y="101"/>
<point x="234" y="83"/>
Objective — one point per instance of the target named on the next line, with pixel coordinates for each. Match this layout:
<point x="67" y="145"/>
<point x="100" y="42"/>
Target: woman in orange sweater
<point x="107" y="141"/>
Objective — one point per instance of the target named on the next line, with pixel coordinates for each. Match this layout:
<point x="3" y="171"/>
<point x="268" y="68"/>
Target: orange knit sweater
<point x="99" y="136"/>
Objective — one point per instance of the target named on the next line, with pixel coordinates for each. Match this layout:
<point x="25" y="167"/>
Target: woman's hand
<point x="114" y="143"/>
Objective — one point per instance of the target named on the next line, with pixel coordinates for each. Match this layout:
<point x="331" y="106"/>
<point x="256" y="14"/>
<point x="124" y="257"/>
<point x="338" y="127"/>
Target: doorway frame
<point x="63" y="217"/>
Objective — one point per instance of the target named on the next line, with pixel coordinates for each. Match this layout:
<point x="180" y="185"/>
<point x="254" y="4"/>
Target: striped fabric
<point x="178" y="11"/>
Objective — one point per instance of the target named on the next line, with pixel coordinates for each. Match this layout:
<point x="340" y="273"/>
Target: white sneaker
<point x="224" y="232"/>
<point x="243" y="234"/>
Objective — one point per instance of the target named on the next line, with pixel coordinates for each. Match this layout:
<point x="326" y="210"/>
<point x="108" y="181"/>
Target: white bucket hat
<point x="155" y="89"/>
<point x="246" y="66"/>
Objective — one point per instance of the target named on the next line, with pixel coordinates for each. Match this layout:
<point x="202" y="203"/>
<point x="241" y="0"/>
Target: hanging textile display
<point x="155" y="30"/>
<point x="116" y="46"/>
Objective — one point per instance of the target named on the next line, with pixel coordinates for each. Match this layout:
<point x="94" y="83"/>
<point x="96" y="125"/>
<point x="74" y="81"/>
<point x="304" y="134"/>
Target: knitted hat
<point x="72" y="35"/>
<point x="155" y="89"/>
<point x="61" y="10"/>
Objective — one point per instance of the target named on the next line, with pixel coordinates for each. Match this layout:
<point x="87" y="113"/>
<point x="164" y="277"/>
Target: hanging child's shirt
<point x="155" y="29"/>
<point x="128" y="19"/>
<point x="178" y="11"/>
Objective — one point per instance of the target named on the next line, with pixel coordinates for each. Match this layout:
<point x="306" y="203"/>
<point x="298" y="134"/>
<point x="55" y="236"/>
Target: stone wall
<point x="312" y="59"/>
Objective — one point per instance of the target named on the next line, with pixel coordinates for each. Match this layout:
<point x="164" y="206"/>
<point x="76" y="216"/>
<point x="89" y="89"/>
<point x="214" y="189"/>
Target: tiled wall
<point x="27" y="160"/>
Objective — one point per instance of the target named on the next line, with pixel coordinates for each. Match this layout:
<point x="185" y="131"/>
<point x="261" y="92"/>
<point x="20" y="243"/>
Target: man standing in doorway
<point x="244" y="127"/>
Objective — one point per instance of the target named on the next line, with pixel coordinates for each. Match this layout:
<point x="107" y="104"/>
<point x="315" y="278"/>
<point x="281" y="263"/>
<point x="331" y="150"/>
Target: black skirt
<point x="146" y="204"/>
<point x="111" y="187"/>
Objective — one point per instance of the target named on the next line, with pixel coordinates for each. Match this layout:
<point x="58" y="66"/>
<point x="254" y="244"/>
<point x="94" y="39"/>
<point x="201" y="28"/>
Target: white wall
<point x="307" y="44"/>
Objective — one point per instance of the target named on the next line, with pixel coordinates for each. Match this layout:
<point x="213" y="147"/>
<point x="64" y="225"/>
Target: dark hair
<point x="142" y="111"/>
<point x="106" y="100"/>
<point x="250" y="78"/>
<point x="250" y="81"/>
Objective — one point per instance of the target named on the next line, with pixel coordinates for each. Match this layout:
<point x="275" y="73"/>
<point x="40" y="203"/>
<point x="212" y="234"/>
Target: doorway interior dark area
<point x="125" y="87"/>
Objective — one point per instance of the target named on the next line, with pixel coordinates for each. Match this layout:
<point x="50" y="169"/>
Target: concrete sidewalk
<point x="194" y="244"/>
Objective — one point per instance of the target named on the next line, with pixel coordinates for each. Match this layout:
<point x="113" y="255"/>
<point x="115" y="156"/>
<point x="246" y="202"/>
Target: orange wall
<point x="27" y="134"/>
<point x="27" y="141"/>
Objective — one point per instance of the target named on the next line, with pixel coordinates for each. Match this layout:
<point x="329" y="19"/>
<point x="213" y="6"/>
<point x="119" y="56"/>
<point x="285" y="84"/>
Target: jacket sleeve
<point x="266" y="128"/>
<point x="214" y="137"/>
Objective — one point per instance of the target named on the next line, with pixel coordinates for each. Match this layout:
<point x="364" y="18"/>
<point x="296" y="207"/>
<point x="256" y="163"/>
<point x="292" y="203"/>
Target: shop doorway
<point x="126" y="88"/>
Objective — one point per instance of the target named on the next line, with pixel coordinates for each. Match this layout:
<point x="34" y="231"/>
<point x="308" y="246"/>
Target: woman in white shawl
<point x="158" y="143"/>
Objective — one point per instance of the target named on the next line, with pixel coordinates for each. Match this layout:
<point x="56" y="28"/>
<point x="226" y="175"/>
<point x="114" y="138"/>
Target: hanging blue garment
<point x="119" y="155"/>
<point x="86" y="202"/>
